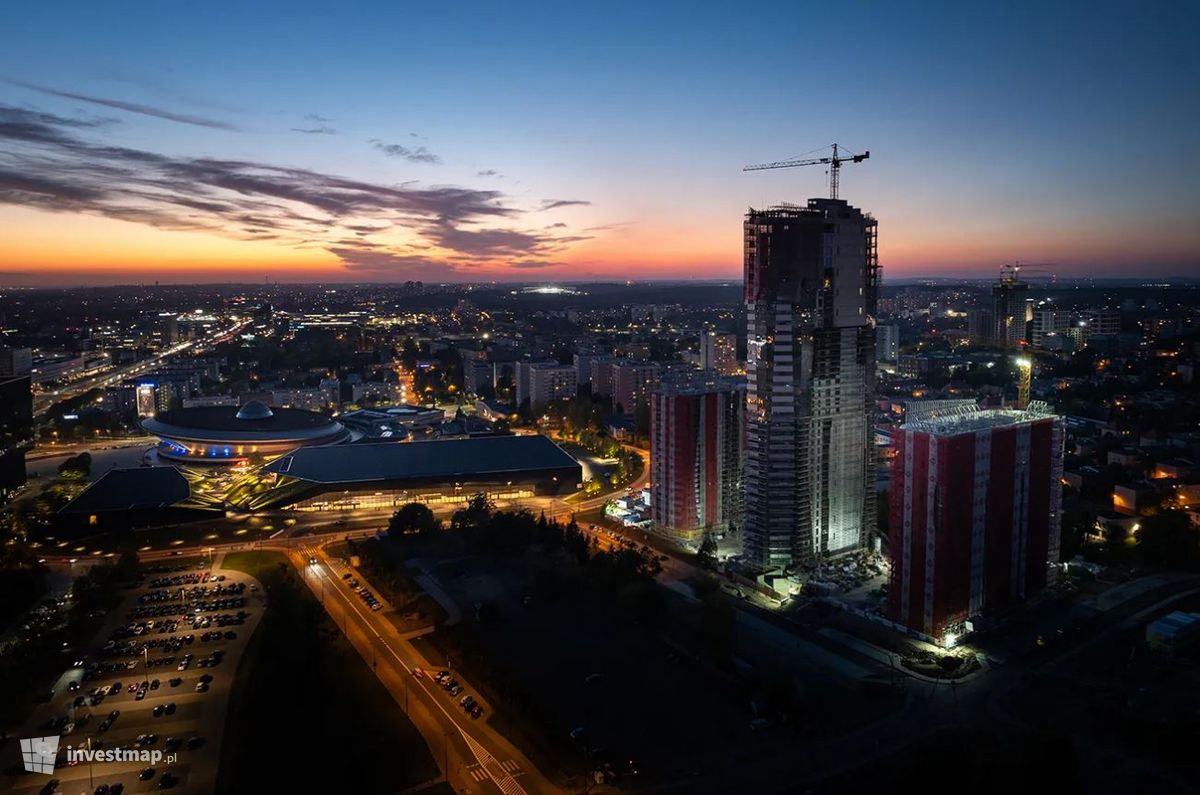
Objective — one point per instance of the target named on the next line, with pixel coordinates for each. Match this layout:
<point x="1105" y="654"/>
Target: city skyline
<point x="529" y="146"/>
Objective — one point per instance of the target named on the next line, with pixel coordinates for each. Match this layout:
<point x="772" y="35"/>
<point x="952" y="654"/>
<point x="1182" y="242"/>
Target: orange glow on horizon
<point x="62" y="248"/>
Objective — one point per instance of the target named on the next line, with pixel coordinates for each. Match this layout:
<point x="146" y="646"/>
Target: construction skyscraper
<point x="811" y="277"/>
<point x="1011" y="309"/>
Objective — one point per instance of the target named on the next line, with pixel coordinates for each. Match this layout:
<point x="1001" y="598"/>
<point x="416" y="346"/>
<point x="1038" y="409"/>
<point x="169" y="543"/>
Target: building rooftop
<point x="439" y="459"/>
<point x="137" y="488"/>
<point x="1172" y="623"/>
<point x="253" y="417"/>
<point x="698" y="382"/>
<point x="969" y="419"/>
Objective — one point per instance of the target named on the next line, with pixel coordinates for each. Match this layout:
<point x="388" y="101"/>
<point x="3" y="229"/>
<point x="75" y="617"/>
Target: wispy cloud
<point x="554" y="204"/>
<point x="530" y="264"/>
<point x="418" y="155"/>
<point x="491" y="172"/>
<point x="48" y="162"/>
<point x="320" y="129"/>
<point x="130" y="107"/>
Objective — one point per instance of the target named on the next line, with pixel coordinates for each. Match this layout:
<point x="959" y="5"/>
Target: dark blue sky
<point x="611" y="134"/>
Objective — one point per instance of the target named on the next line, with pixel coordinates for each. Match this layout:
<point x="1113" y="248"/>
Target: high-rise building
<point x="583" y="364"/>
<point x="1048" y="323"/>
<point x="632" y="382"/>
<point x="545" y="382"/>
<point x="811" y="276"/>
<point x="718" y="352"/>
<point x="16" y="430"/>
<point x="151" y="397"/>
<point x="696" y="433"/>
<point x="1011" y="311"/>
<point x="974" y="512"/>
<point x="981" y="326"/>
<point x="15" y="361"/>
<point x="521" y="371"/>
<point x="1103" y="322"/>
<point x="627" y="381"/>
<point x="478" y="376"/>
<point x="887" y="343"/>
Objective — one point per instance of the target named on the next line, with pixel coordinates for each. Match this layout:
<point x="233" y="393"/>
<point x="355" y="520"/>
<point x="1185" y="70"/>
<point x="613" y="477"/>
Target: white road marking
<point x="501" y="777"/>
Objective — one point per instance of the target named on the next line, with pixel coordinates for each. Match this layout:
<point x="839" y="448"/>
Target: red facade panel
<point x="998" y="532"/>
<point x="1041" y="452"/>
<point x="956" y="477"/>
<point x="711" y="485"/>
<point x="946" y="588"/>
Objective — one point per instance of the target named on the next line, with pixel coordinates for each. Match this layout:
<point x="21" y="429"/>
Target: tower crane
<point x="834" y="162"/>
<point x="1024" y="380"/>
<point x="1013" y="273"/>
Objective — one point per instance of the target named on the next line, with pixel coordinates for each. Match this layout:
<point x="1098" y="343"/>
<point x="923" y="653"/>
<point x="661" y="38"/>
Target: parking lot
<point x="157" y="678"/>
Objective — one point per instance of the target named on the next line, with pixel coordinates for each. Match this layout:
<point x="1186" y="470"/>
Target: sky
<point x="383" y="141"/>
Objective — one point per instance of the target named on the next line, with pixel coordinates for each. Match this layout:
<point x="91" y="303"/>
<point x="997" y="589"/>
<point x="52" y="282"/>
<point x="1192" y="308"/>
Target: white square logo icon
<point x="38" y="754"/>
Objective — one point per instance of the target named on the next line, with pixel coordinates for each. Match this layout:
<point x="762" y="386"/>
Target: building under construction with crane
<point x="811" y="279"/>
<point x="1011" y="309"/>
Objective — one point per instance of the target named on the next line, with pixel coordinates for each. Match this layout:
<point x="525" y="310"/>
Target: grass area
<point x="306" y="712"/>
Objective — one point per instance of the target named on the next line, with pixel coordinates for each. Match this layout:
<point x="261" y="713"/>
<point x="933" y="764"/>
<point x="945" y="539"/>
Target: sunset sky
<point x="566" y="141"/>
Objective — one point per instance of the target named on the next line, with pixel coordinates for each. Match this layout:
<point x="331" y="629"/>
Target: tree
<point x="706" y="557"/>
<point x="413" y="519"/>
<point x="1167" y="539"/>
<point x="641" y="419"/>
<point x="1115" y="539"/>
<point x="525" y="411"/>
<point x="76" y="467"/>
<point x="718" y="625"/>
<point x="477" y="514"/>
<point x="128" y="565"/>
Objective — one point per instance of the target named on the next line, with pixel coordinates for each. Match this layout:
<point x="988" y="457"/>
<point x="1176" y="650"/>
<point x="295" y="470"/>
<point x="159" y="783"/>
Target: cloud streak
<point x="48" y="162"/>
<point x="417" y="155"/>
<point x="131" y="107"/>
<point x="554" y="204"/>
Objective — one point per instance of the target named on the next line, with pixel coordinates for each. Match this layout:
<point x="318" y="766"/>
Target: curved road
<point x="483" y="760"/>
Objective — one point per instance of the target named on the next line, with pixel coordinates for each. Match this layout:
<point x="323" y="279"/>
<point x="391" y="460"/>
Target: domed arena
<point x="233" y="434"/>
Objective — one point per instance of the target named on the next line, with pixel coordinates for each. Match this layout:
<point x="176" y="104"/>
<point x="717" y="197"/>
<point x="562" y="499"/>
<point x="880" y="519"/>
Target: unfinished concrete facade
<point x="811" y="280"/>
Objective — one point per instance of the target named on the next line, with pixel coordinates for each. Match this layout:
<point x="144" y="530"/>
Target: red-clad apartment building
<point x="974" y="511"/>
<point x="696" y="443"/>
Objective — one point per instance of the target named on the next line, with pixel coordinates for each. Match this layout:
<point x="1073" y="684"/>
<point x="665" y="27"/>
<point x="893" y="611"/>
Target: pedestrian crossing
<point x="510" y="766"/>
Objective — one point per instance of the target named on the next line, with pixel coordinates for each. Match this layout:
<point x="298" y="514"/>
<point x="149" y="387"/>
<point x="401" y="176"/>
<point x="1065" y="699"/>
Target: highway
<point x="475" y="758"/>
<point x="44" y="400"/>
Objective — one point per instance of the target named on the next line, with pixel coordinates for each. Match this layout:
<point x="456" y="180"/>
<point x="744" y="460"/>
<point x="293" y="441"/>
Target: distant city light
<point x="551" y="290"/>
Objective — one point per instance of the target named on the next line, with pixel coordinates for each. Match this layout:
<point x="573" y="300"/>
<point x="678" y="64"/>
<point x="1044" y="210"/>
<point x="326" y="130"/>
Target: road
<point x="473" y="755"/>
<point x="569" y="505"/>
<point x="45" y="400"/>
<point x="475" y="758"/>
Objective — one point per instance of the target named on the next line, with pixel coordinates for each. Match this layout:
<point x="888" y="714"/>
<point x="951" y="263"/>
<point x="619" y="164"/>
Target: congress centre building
<point x="233" y="434"/>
